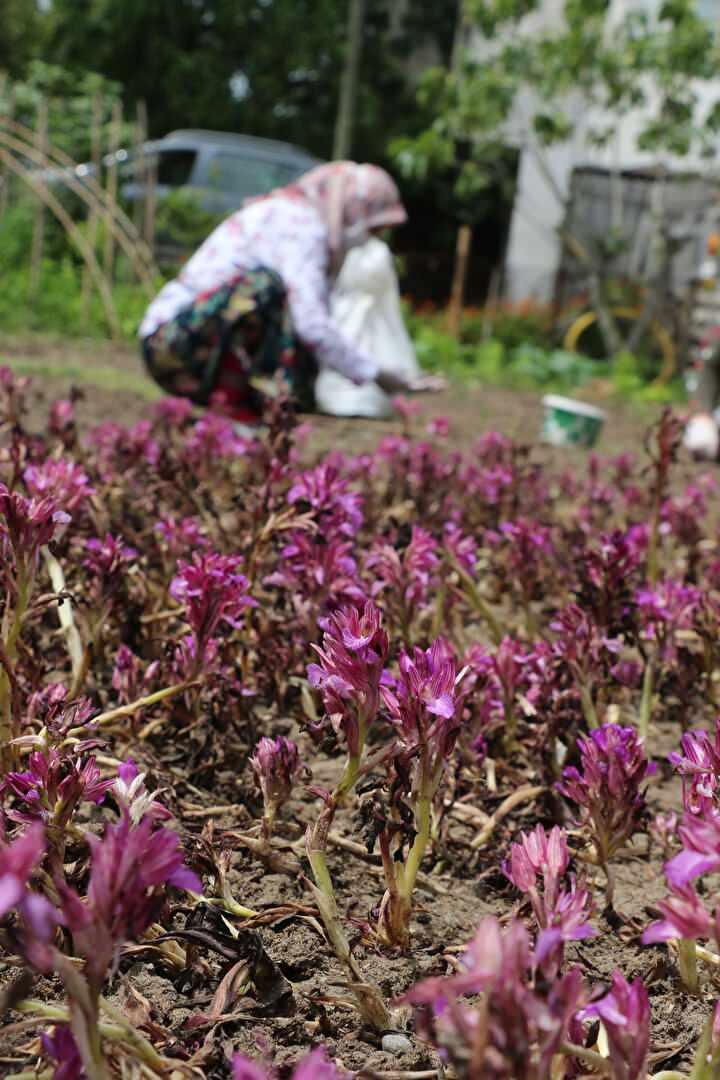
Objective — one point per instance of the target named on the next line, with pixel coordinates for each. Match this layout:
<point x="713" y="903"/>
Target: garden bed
<point x="202" y="571"/>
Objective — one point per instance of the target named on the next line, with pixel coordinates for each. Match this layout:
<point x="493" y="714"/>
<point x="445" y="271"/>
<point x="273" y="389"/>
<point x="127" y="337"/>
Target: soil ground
<point x="116" y="388"/>
<point x="303" y="980"/>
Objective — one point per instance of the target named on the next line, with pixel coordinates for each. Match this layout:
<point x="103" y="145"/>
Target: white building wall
<point x="534" y="249"/>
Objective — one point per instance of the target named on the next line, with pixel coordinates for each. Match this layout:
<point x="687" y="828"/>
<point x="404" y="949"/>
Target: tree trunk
<point x="345" y="122"/>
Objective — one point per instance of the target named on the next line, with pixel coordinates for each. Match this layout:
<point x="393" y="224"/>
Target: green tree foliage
<point x="69" y="96"/>
<point x="20" y="34"/>
<point x="517" y="80"/>
<point x="553" y="76"/>
<point x="282" y="57"/>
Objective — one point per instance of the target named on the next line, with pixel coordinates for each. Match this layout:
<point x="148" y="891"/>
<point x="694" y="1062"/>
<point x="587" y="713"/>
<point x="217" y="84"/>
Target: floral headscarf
<point x="351" y="199"/>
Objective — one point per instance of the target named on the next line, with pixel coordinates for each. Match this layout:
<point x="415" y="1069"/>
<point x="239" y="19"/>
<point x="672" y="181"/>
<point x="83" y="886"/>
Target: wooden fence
<point x="104" y="235"/>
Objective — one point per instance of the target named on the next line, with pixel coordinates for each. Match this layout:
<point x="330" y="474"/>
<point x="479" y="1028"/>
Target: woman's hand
<point x="427" y="384"/>
<point x="423" y="384"/>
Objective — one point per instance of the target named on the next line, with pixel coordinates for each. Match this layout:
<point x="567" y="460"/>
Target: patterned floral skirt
<point x="210" y="350"/>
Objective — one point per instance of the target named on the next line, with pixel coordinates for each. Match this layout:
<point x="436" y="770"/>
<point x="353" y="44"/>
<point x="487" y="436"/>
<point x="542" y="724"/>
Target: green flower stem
<point x="588" y="1057"/>
<point x="141" y="703"/>
<point x="367" y="996"/>
<point x="319" y="866"/>
<point x="10" y="635"/>
<point x="687" y="965"/>
<point x="129" y="1034"/>
<point x="33" y="1074"/>
<point x="120" y="1030"/>
<point x="707" y="1061"/>
<point x="410" y="871"/>
<point x="588" y="706"/>
<point x="510" y="722"/>
<point x="609" y="883"/>
<point x="646" y="699"/>
<point x="350" y="772"/>
<point x="481" y="606"/>
<point x="396" y="909"/>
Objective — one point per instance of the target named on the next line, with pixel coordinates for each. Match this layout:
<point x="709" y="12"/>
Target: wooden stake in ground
<point x="112" y="185"/>
<point x="457" y="296"/>
<point x="6" y="90"/>
<point x="149" y="173"/>
<point x="96" y="159"/>
<point x="140" y="164"/>
<point x="38" y="236"/>
<point x="342" y="144"/>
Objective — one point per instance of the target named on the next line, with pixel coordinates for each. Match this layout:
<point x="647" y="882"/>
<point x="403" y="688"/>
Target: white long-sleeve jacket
<point x="283" y="234"/>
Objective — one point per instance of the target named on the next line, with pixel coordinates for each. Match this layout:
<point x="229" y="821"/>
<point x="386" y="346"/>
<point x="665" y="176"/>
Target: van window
<point x="175" y="167"/>
<point x="247" y="176"/>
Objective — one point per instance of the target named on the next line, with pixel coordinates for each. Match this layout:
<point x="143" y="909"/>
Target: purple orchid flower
<point x="515" y="1028"/>
<point x="63" y="480"/>
<point x="276" y="763"/>
<point x="625" y="1014"/>
<point x="352" y="658"/>
<point x="315" y="1066"/>
<point x="213" y="592"/>
<point x="561" y="913"/>
<point x="60" y="1047"/>
<point x="608" y="790"/>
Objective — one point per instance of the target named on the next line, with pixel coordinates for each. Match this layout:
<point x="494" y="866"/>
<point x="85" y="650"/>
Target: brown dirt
<point x="471" y="408"/>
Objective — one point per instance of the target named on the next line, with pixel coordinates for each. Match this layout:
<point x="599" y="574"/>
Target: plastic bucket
<point x="567" y="422"/>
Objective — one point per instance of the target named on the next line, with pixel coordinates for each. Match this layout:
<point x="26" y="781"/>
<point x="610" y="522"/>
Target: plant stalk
<point x="687" y="965"/>
<point x="646" y="698"/>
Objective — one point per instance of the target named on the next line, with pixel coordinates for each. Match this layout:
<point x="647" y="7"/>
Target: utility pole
<point x="342" y="143"/>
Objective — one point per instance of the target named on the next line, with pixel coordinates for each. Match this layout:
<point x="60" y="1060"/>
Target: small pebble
<point x="396" y="1044"/>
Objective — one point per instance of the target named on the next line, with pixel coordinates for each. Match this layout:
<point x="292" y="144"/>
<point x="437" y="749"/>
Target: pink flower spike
<point x="689" y="865"/>
<point x="313" y="1067"/>
<point x="63" y="480"/>
<point x="699" y="766"/>
<point x="700" y="836"/>
<point x="62" y="416"/>
<point x="562" y="908"/>
<point x="439" y="426"/>
<point x="133" y="798"/>
<point x="328" y="495"/>
<point x="684" y="916"/>
<point x="607" y="789"/>
<point x="28" y="524"/>
<point x="61" y="1049"/>
<point x="423" y="700"/>
<point x="349" y="674"/>
<point x="276" y="763"/>
<point x="244" y="1068"/>
<point x="316" y="1067"/>
<point x="213" y="592"/>
<point x="521" y="1030"/>
<point x="39" y="916"/>
<point x="130" y="867"/>
<point x="406" y="407"/>
<point x="625" y="1013"/>
<point x="18" y="860"/>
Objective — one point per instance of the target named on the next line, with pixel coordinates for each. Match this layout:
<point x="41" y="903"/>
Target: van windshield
<point x="247" y="176"/>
